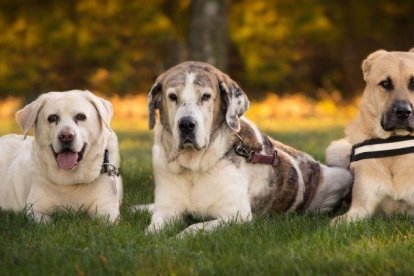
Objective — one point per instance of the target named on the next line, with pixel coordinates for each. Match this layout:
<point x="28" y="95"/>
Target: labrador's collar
<point x="108" y="168"/>
<point x="379" y="148"/>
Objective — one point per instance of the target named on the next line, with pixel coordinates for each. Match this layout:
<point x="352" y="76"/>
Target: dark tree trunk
<point x="208" y="34"/>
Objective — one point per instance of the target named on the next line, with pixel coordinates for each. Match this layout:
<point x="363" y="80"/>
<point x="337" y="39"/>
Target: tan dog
<point x="209" y="162"/>
<point x="381" y="183"/>
<point x="62" y="166"/>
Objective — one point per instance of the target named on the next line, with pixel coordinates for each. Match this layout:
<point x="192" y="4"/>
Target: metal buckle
<point x="242" y="151"/>
<point x="113" y="172"/>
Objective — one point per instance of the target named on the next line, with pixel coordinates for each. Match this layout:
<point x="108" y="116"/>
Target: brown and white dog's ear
<point x="235" y="99"/>
<point x="27" y="116"/>
<point x="154" y="101"/>
<point x="103" y="107"/>
<point x="367" y="63"/>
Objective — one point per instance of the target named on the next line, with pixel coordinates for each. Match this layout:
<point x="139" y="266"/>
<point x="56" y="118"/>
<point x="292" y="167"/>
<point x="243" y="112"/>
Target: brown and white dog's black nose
<point x="402" y="110"/>
<point x="66" y="136"/>
<point x="187" y="125"/>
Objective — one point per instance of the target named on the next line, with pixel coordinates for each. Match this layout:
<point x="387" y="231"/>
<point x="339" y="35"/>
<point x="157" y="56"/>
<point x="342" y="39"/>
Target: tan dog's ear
<point x="235" y="99"/>
<point x="411" y="50"/>
<point x="103" y="107"/>
<point x="367" y="63"/>
<point x="27" y="116"/>
<point x="154" y="101"/>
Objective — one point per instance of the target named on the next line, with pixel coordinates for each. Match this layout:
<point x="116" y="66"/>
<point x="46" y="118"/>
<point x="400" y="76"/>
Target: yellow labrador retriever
<point x="380" y="141"/>
<point x="71" y="162"/>
<point x="209" y="162"/>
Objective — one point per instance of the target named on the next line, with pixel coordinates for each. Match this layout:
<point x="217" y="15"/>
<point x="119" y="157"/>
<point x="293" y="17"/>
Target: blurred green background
<point x="314" y="47"/>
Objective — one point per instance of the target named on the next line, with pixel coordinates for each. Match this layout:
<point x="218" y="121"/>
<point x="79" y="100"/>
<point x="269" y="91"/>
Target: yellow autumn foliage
<point x="273" y="113"/>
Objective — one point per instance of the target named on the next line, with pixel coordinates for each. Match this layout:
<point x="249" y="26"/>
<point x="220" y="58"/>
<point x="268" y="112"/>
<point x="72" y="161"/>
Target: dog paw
<point x="349" y="217"/>
<point x="339" y="220"/>
<point x="143" y="208"/>
<point x="41" y="218"/>
<point x="153" y="229"/>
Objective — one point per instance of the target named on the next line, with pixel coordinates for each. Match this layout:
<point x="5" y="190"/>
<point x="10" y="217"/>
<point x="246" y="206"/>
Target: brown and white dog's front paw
<point x="160" y="220"/>
<point x="153" y="228"/>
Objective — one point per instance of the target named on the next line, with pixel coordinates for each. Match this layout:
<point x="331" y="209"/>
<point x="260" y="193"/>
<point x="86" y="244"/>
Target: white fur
<point x="336" y="183"/>
<point x="214" y="189"/>
<point x="338" y="153"/>
<point x="30" y="176"/>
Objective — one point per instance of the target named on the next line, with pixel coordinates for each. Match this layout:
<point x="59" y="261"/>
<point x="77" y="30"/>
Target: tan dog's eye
<point x="387" y="84"/>
<point x="205" y="97"/>
<point x="173" y="97"/>
<point x="53" y="118"/>
<point x="411" y="84"/>
<point x="80" y="117"/>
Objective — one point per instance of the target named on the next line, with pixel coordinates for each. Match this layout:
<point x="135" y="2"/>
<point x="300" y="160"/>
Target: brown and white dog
<point x="62" y="166"/>
<point x="209" y="162"/>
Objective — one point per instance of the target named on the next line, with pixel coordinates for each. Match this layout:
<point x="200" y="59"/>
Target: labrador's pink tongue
<point x="67" y="160"/>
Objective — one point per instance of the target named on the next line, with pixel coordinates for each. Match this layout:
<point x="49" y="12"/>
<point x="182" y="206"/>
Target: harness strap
<point x="379" y="148"/>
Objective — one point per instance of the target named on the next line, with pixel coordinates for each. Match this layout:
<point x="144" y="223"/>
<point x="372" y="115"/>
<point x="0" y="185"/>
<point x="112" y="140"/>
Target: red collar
<point x="253" y="156"/>
<point x="258" y="158"/>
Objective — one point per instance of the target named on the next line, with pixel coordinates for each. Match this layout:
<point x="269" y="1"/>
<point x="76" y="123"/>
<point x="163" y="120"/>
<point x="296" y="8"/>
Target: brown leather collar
<point x="254" y="156"/>
<point x="258" y="158"/>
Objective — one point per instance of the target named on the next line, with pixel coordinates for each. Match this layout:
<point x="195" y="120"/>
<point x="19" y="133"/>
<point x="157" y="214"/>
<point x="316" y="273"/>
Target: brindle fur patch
<point x="284" y="179"/>
<point x="310" y="169"/>
<point x="283" y="184"/>
<point x="311" y="173"/>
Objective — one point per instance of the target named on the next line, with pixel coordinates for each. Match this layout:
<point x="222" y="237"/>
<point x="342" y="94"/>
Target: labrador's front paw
<point x="40" y="217"/>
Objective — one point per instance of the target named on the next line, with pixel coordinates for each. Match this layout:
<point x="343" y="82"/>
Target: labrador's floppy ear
<point x="235" y="99"/>
<point x="367" y="63"/>
<point x="103" y="107"/>
<point x="411" y="50"/>
<point x="154" y="100"/>
<point x="27" y="116"/>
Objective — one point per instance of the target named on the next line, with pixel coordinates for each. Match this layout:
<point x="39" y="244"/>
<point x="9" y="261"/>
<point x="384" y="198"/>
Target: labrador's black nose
<point x="66" y="136"/>
<point x="187" y="125"/>
<point x="402" y="110"/>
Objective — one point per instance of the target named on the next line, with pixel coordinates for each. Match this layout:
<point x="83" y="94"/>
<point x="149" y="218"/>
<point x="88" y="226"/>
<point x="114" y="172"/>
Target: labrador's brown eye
<point x="387" y="84"/>
<point x="53" y="118"/>
<point x="411" y="84"/>
<point x="80" y="117"/>
<point x="173" y="97"/>
<point x="205" y="97"/>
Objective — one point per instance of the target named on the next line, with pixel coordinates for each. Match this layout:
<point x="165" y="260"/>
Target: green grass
<point x="282" y="244"/>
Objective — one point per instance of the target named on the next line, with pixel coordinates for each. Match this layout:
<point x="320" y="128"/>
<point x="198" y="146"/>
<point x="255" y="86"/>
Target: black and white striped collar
<point x="379" y="148"/>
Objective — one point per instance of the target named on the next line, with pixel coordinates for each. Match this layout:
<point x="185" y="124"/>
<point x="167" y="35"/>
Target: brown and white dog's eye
<point x="411" y="84"/>
<point x="387" y="84"/>
<point x="205" y="97"/>
<point x="53" y="118"/>
<point x="173" y="97"/>
<point x="80" y="117"/>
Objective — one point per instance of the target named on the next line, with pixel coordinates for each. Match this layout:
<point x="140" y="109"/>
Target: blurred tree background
<point x="313" y="47"/>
